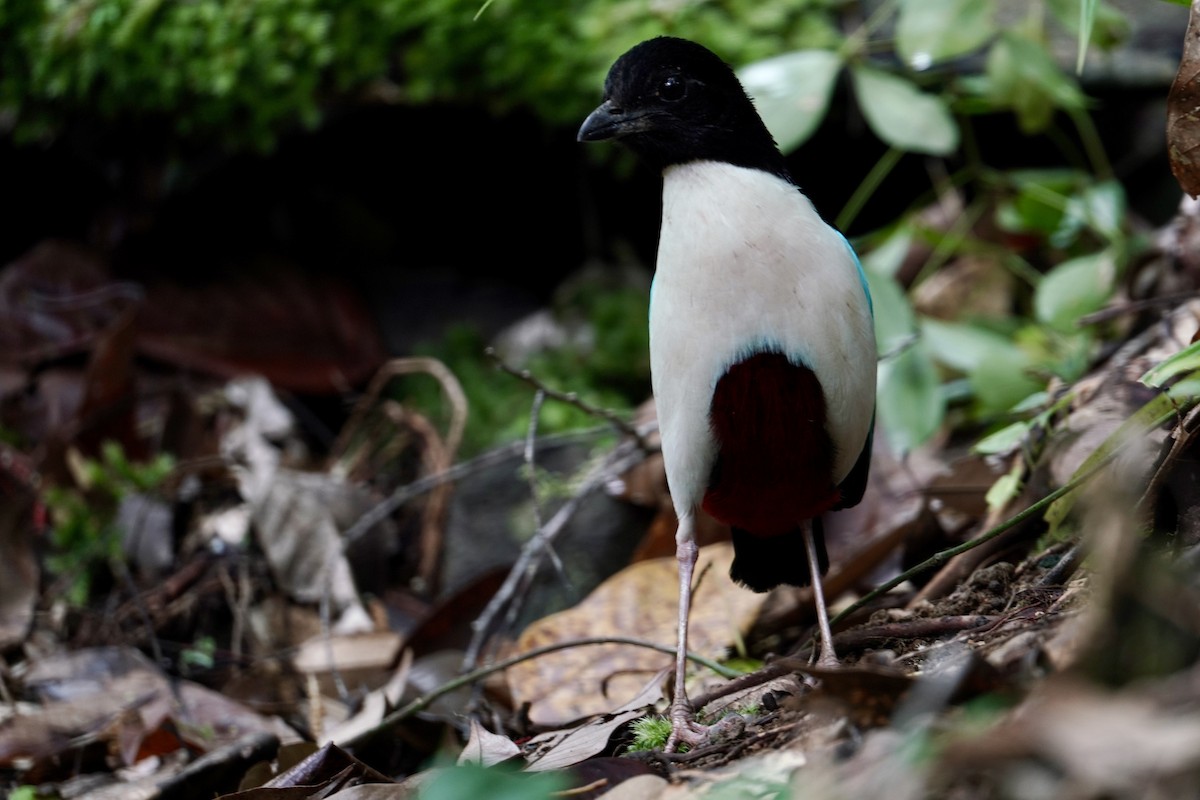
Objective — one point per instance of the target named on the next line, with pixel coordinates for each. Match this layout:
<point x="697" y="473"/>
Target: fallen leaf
<point x="360" y="659"/>
<point x="1183" y="111"/>
<point x="640" y="602"/>
<point x="486" y="748"/>
<point x="562" y="748"/>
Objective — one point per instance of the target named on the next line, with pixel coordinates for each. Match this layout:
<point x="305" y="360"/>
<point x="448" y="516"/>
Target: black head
<point x="672" y="101"/>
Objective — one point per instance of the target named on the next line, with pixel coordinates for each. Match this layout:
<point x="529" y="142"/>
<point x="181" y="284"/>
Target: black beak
<point x="605" y="122"/>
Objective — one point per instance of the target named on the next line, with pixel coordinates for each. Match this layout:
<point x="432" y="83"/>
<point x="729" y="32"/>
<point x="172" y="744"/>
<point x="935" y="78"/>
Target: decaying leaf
<point x="1183" y="111"/>
<point x="639" y="602"/>
<point x="486" y="748"/>
<point x="562" y="748"/>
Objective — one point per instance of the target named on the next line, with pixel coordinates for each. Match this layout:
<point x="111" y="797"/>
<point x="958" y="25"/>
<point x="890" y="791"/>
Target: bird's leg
<point x="827" y="657"/>
<point x="684" y="730"/>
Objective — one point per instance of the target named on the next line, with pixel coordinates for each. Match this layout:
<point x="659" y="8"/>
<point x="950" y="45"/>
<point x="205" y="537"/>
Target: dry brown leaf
<point x="641" y="602"/>
<point x="361" y="659"/>
<point x="486" y="748"/>
<point x="1113" y="744"/>
<point x="1183" y="111"/>
<point x="564" y="748"/>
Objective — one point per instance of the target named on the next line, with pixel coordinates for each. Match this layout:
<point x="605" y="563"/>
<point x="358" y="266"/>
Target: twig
<point x="620" y="459"/>
<point x="408" y="366"/>
<point x="587" y="788"/>
<point x="573" y="399"/>
<point x="531" y="468"/>
<point x="526" y="578"/>
<point x="403" y="494"/>
<point x="327" y="635"/>
<point x="421" y="703"/>
<point x="539" y="397"/>
<point x="939" y="558"/>
<point x="1134" y="307"/>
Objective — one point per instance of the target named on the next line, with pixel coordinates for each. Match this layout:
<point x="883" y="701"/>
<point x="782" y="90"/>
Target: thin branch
<point x="573" y="399"/>
<point x="937" y="559"/>
<point x="535" y="413"/>
<point x="620" y="459"/>
<point x="403" y="494"/>
<point x="421" y="703"/>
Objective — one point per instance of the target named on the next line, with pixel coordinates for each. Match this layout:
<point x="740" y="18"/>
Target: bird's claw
<point x="685" y="730"/>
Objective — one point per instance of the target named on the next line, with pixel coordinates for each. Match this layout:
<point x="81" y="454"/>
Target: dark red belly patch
<point x="775" y="458"/>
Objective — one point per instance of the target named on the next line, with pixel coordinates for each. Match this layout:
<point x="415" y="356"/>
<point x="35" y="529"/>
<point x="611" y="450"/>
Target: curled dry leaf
<point x="1183" y="111"/>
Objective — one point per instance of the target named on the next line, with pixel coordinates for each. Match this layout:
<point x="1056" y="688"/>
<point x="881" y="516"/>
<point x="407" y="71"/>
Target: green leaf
<point x="792" y="92"/>
<point x="930" y="31"/>
<point x="1158" y="410"/>
<point x="495" y="783"/>
<point x="895" y="324"/>
<point x="887" y="256"/>
<point x="1186" y="360"/>
<point x="1004" y="440"/>
<point x="1093" y="22"/>
<point x="911" y="406"/>
<point x="962" y="345"/>
<point x="1041" y="200"/>
<point x="1003" y="491"/>
<point x="1074" y="288"/>
<point x="997" y="369"/>
<point x="1023" y="76"/>
<point x="1003" y="380"/>
<point x="1099" y="206"/>
<point x="1087" y="19"/>
<point x="902" y="115"/>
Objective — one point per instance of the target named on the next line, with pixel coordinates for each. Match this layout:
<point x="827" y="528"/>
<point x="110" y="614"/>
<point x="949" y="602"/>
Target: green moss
<point x="239" y="74"/>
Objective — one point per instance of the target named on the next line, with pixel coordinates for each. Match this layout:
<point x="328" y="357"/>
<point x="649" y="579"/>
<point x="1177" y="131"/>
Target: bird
<point x="762" y="345"/>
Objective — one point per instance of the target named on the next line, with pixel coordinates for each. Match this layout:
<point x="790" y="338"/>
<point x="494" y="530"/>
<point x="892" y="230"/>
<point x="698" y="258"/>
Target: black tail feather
<point x="760" y="563"/>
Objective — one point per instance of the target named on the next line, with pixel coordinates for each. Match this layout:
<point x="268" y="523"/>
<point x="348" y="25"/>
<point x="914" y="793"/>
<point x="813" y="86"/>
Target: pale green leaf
<point x="887" y="257"/>
<point x="962" y="345"/>
<point x="1186" y="360"/>
<point x="997" y="369"/>
<point x="1158" y="410"/>
<point x="1101" y="207"/>
<point x="911" y="406"/>
<point x="895" y="324"/>
<point x="931" y="31"/>
<point x="792" y="92"/>
<point x="1004" y="440"/>
<point x="1023" y="76"/>
<point x="1003" y="491"/>
<point x="902" y="115"/>
<point x="1087" y="19"/>
<point x="1075" y="288"/>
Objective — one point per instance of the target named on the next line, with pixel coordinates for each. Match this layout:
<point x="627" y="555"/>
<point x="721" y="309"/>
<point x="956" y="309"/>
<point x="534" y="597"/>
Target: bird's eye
<point x="672" y="88"/>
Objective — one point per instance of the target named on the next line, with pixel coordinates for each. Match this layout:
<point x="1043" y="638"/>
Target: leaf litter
<point x="282" y="624"/>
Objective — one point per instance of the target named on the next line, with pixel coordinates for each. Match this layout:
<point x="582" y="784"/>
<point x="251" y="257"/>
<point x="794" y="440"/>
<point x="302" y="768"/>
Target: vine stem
<point x="423" y="702"/>
<point x="941" y="557"/>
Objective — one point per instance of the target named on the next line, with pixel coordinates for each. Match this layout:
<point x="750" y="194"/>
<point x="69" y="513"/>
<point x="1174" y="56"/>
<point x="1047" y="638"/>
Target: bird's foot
<point x="686" y="731"/>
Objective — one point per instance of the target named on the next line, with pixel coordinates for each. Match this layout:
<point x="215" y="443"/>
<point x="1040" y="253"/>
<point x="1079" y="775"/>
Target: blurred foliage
<point x="1062" y="232"/>
<point x="501" y="782"/>
<point x="605" y="362"/>
<point x="239" y="74"/>
<point x="85" y="537"/>
<point x="921" y="72"/>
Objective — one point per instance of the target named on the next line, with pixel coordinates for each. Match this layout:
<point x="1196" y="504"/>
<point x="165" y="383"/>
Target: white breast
<point x="745" y="262"/>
